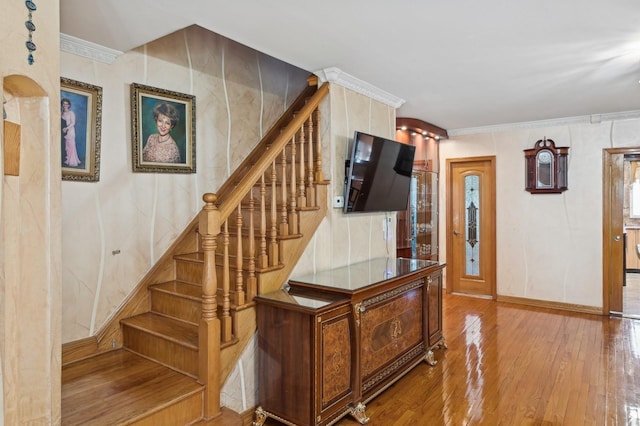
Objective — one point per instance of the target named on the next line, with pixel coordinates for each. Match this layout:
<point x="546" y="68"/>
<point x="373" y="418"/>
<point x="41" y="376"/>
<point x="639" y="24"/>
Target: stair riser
<point x="176" y="306"/>
<point x="178" y="357"/>
<point x="188" y="271"/>
<point x="183" y="412"/>
<point x="233" y="243"/>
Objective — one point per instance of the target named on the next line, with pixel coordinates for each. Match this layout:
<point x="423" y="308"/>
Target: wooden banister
<point x="221" y="286"/>
<point x="228" y="204"/>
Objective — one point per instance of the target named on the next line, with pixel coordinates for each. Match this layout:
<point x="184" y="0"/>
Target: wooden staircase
<point x="162" y="359"/>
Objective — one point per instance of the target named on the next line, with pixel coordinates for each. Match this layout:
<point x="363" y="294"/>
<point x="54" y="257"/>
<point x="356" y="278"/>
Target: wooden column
<point x="209" y="329"/>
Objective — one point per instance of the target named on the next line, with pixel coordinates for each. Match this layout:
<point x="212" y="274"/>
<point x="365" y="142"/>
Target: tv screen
<point x="378" y="175"/>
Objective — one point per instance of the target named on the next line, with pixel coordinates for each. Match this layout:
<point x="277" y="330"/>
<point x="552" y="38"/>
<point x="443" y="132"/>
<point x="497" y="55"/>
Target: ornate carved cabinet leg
<point x="261" y="417"/>
<point x="430" y="358"/>
<point x="358" y="413"/>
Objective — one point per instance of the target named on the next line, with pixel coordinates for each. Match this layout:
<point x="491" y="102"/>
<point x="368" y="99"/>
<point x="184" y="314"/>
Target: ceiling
<point x="457" y="64"/>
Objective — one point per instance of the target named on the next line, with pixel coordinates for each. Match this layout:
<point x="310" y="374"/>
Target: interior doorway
<point x="471" y="226"/>
<point x="621" y="232"/>
<point x="631" y="221"/>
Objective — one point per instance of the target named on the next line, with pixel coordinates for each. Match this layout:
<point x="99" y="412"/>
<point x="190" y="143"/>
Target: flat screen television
<point x="377" y="175"/>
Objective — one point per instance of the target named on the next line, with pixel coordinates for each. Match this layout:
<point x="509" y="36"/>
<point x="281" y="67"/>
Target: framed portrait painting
<point x="163" y="130"/>
<point x="80" y="130"/>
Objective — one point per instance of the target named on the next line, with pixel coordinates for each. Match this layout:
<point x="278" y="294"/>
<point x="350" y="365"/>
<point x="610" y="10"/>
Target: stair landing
<point x="122" y="388"/>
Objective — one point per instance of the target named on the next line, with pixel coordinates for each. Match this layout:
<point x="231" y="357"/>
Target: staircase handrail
<point x="227" y="204"/>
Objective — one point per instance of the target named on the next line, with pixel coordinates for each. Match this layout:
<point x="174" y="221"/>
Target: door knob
<point x="617" y="238"/>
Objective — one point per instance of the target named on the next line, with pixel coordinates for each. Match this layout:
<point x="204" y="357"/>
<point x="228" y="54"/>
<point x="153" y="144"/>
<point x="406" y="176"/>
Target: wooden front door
<point x="471" y="226"/>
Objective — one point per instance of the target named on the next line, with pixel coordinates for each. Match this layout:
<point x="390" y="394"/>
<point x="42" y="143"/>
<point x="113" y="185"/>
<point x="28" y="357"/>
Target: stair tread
<point x="193" y="257"/>
<point x="117" y="386"/>
<point x="165" y="327"/>
<point x="180" y="288"/>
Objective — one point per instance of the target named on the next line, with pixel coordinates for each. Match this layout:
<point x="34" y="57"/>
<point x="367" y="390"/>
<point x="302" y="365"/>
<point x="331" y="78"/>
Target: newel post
<point x="209" y="329"/>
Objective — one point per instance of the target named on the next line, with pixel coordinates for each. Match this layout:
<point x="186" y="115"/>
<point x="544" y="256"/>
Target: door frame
<point x="612" y="226"/>
<point x="491" y="275"/>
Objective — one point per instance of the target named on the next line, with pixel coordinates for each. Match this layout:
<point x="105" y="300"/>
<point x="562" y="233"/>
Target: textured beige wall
<point x="239" y="94"/>
<point x="30" y="221"/>
<point x="549" y="247"/>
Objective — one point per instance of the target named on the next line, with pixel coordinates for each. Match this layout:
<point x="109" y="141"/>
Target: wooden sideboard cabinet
<point x="331" y="341"/>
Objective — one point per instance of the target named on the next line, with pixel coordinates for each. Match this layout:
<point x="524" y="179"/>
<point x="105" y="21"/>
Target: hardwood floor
<point x="513" y="365"/>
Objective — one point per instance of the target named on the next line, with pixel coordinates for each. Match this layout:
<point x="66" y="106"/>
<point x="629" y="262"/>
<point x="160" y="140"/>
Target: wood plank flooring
<point x="514" y="365"/>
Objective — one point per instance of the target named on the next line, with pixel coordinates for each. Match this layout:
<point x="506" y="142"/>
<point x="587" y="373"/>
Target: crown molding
<point x="87" y="49"/>
<point x="583" y="119"/>
<point x="337" y="76"/>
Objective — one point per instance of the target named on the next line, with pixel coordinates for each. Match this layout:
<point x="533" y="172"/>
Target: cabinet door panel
<point x="336" y="360"/>
<point x="390" y="328"/>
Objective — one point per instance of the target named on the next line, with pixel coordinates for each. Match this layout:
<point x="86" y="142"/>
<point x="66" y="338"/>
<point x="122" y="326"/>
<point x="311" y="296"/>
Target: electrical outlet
<point x="338" y="201"/>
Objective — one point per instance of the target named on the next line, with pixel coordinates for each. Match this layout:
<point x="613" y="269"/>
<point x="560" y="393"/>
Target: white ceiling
<point x="457" y="64"/>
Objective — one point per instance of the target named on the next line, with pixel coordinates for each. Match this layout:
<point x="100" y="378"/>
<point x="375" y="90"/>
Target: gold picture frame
<point x="163" y="130"/>
<point x="80" y="130"/>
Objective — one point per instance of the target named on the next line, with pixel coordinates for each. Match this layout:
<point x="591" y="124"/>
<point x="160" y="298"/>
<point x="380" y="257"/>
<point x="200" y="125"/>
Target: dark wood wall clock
<point x="546" y="168"/>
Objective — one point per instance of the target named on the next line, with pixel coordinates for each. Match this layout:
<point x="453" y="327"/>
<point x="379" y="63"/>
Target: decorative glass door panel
<point x="472" y="220"/>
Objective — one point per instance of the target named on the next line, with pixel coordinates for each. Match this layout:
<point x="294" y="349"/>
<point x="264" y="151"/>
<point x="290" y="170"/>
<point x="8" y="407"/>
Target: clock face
<point x="544" y="157"/>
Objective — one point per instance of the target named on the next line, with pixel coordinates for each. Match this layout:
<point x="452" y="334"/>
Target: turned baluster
<point x="239" y="290"/>
<point x="284" y="225"/>
<point x="311" y="190"/>
<point x="302" y="197"/>
<point x="293" y="211"/>
<point x="225" y="319"/>
<point x="252" y="281"/>
<point x="263" y="259"/>
<point x="273" y="241"/>
<point x="316" y="139"/>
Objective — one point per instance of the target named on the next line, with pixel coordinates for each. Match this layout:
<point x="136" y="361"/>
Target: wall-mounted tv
<point x="377" y="175"/>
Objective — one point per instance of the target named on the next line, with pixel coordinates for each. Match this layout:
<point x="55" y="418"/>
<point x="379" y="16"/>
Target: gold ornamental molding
<point x="393" y="293"/>
<point x="400" y="362"/>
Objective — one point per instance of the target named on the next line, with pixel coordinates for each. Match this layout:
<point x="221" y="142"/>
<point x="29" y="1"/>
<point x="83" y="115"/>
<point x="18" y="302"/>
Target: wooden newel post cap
<point x="209" y="198"/>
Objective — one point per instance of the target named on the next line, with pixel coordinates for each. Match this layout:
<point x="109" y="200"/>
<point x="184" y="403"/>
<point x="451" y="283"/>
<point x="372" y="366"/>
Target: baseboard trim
<point x="248" y="416"/>
<point x="571" y="307"/>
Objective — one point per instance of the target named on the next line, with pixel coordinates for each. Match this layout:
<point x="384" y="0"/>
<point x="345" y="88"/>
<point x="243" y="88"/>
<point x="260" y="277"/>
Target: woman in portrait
<point x="68" y="124"/>
<point x="160" y="147"/>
